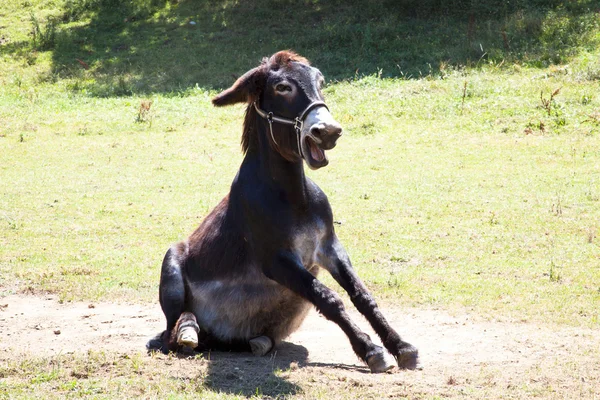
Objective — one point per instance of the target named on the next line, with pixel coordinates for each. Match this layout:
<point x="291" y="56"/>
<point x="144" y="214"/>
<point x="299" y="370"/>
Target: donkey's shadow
<point x="247" y="375"/>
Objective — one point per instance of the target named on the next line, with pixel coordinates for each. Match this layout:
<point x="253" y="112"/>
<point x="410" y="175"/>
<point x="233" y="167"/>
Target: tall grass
<point x="42" y="37"/>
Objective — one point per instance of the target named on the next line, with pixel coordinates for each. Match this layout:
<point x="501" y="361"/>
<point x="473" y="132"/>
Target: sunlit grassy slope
<point x="461" y="181"/>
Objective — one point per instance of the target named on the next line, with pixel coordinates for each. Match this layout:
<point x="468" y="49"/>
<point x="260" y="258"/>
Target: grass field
<point x="468" y="178"/>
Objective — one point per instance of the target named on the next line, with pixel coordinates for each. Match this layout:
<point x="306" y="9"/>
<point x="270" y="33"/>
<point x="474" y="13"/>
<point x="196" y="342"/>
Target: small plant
<point x="464" y="95"/>
<point x="590" y="192"/>
<point x="557" y="207"/>
<point x="369" y="128"/>
<point x="586" y="99"/>
<point x="591" y="235"/>
<point x="548" y="103"/>
<point x="493" y="220"/>
<point x="44" y="38"/>
<point x="594" y="118"/>
<point x="535" y="126"/>
<point x="17" y="81"/>
<point x="144" y="114"/>
<point x="136" y="364"/>
<point x="393" y="281"/>
<point x="553" y="274"/>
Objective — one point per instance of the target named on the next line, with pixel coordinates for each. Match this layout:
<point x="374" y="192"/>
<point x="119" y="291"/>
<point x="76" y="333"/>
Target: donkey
<point x="247" y="277"/>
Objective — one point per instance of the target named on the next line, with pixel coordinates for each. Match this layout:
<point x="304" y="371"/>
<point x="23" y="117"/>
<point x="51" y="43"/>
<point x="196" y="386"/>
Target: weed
<point x="493" y="219"/>
<point x="531" y="127"/>
<point x="12" y="224"/>
<point x="369" y="128"/>
<point x="78" y="271"/>
<point x="17" y="81"/>
<point x="136" y="363"/>
<point x="547" y="103"/>
<point x="31" y="57"/>
<point x="394" y="281"/>
<point x="592" y="73"/>
<point x="464" y="95"/>
<point x="594" y="118"/>
<point x="586" y="99"/>
<point x="557" y="205"/>
<point x="144" y="114"/>
<point x="553" y="274"/>
<point x="590" y="192"/>
<point x="43" y="38"/>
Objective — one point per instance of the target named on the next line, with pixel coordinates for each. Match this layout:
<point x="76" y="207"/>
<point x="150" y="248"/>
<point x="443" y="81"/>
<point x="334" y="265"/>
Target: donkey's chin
<point x="313" y="154"/>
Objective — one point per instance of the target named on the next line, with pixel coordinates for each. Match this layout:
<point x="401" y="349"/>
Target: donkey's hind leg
<point x="186" y="331"/>
<point x="261" y="345"/>
<point x="172" y="297"/>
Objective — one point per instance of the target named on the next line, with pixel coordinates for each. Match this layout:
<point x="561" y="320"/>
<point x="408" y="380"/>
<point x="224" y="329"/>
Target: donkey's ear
<point x="242" y="90"/>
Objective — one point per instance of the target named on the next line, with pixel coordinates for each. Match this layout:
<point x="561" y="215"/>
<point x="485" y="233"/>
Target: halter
<point x="297" y="122"/>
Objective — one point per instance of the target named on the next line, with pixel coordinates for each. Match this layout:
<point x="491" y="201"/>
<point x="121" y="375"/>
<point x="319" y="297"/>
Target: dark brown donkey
<point x="247" y="277"/>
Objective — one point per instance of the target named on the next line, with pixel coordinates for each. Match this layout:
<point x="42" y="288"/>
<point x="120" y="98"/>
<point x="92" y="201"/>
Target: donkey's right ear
<point x="242" y="90"/>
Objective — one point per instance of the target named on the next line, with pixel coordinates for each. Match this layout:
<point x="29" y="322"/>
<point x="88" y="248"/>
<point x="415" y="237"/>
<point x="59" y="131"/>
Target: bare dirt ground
<point x="460" y="356"/>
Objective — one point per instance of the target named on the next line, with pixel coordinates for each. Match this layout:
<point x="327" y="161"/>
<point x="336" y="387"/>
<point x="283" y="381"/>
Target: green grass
<point x="440" y="203"/>
<point x="460" y="188"/>
<point x="108" y="375"/>
<point x="453" y="187"/>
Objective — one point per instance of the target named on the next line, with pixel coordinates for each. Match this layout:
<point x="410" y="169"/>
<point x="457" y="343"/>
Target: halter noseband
<point x="297" y="122"/>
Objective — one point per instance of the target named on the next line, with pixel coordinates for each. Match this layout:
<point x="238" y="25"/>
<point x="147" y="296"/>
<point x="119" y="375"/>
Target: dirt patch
<point x="460" y="356"/>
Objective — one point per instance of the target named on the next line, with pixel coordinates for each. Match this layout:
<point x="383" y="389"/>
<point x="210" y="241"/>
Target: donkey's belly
<point x="244" y="309"/>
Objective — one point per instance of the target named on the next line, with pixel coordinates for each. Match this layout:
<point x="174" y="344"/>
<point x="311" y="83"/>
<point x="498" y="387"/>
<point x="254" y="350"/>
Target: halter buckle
<point x="298" y="124"/>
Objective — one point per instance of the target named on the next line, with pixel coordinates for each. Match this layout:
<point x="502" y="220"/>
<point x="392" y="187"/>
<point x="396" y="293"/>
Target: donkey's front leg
<point x="336" y="261"/>
<point x="288" y="271"/>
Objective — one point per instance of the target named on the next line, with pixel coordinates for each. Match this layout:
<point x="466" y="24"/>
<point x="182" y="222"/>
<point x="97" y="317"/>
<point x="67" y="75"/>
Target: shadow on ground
<point x="111" y="47"/>
<point x="247" y="375"/>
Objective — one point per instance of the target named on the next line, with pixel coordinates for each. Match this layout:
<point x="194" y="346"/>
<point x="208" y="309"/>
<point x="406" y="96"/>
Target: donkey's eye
<point x="282" y="88"/>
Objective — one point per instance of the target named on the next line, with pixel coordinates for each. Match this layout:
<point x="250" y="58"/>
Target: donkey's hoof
<point x="261" y="345"/>
<point x="156" y="344"/>
<point x="381" y="361"/>
<point x="408" y="357"/>
<point x="188" y="336"/>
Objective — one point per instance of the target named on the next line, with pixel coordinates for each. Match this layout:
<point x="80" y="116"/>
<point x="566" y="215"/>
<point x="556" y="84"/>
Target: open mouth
<point x="313" y="155"/>
<point x="315" y="152"/>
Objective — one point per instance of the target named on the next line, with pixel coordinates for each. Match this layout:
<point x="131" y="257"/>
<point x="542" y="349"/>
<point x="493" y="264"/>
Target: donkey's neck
<point x="274" y="169"/>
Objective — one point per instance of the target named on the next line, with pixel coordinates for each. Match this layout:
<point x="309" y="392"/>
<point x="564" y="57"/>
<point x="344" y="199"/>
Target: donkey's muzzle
<point x="326" y="134"/>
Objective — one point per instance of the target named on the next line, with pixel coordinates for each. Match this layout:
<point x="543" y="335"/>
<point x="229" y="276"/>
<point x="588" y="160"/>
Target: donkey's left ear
<point x="242" y="90"/>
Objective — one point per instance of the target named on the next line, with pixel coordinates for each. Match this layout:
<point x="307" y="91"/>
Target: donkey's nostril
<point x="335" y="130"/>
<point x="321" y="130"/>
<point x="316" y="131"/>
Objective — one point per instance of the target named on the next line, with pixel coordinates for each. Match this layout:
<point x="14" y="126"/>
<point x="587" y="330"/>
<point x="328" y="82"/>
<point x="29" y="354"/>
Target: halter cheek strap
<point x="297" y="122"/>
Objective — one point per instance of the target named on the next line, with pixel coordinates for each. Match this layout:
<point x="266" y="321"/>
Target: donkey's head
<point x="286" y="91"/>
